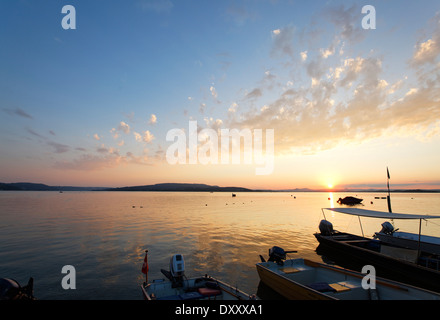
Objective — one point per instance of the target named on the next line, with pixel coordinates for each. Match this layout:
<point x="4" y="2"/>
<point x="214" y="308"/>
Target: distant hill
<point x="28" y="186"/>
<point x="194" y="187"/>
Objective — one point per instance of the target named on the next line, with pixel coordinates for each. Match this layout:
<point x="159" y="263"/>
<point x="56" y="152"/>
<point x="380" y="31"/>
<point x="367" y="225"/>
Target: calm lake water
<point x="104" y="235"/>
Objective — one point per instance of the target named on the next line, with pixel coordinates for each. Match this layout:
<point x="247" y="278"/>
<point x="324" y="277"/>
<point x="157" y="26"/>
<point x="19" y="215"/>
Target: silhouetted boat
<point x="177" y="287"/>
<point x="409" y="265"/>
<point x="349" y="200"/>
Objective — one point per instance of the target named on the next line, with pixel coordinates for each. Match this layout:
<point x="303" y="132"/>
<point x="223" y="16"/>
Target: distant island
<point x="194" y="187"/>
<point x="188" y="187"/>
<point x="28" y="186"/>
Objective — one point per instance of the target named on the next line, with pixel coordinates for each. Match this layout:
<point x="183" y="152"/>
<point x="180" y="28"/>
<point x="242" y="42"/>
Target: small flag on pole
<point x="389" y="196"/>
<point x="145" y="267"/>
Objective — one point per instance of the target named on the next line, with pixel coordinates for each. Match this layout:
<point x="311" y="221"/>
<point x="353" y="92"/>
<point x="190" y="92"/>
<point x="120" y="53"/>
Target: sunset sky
<point x="92" y="106"/>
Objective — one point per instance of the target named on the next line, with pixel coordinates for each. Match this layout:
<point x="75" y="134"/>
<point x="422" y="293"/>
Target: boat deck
<point x="203" y="288"/>
<point x="318" y="281"/>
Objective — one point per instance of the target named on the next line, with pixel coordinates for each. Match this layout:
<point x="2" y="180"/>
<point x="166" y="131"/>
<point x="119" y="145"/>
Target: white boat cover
<point x="381" y="214"/>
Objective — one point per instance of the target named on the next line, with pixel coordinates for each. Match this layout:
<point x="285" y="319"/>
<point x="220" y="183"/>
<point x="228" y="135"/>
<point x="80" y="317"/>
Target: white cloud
<point x="137" y="136"/>
<point x="233" y="107"/>
<point x="346" y="100"/>
<point x="327" y="53"/>
<point x="148" y="136"/>
<point x="303" y="55"/>
<point x="153" y="119"/>
<point x="426" y="52"/>
<point x="213" y="92"/>
<point x="96" y="136"/>
<point x="124" y="127"/>
<point x="212" y="123"/>
<point x="412" y="91"/>
<point x="114" y="133"/>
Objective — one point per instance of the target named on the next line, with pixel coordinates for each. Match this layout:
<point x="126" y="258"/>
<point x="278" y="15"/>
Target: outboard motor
<point x="277" y="254"/>
<point x="326" y="228"/>
<point x="177" y="266"/>
<point x="11" y="290"/>
<point x="387" y="228"/>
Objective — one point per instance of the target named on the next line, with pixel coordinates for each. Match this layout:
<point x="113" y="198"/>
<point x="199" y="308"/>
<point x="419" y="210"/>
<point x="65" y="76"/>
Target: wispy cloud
<point x="214" y="94"/>
<point x="346" y="20"/>
<point x="427" y="50"/>
<point x="17" y="112"/>
<point x="34" y="133"/>
<point x="256" y="93"/>
<point x="90" y="162"/>
<point x="240" y="14"/>
<point x="58" y="147"/>
<point x="93" y="162"/>
<point x="283" y="41"/>
<point x="157" y="6"/>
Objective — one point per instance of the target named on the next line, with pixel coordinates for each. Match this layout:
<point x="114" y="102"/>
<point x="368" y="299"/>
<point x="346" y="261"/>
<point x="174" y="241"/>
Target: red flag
<point x="145" y="267"/>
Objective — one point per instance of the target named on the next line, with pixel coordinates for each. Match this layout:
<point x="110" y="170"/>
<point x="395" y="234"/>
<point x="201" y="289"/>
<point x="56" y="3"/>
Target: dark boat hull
<point x="349" y="201"/>
<point x="364" y="251"/>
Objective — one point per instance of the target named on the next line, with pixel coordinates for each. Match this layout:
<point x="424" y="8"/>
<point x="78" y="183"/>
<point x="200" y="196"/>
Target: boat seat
<point x="289" y="270"/>
<point x="341" y="286"/>
<point x="321" y="287"/>
<point x="194" y="295"/>
<point x="209" y="292"/>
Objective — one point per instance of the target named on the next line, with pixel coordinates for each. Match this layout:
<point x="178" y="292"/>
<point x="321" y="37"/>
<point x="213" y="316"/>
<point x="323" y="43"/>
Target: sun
<point x="330" y="185"/>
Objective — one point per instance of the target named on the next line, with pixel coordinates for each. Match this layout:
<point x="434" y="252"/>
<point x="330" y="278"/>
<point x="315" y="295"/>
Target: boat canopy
<point x="381" y="214"/>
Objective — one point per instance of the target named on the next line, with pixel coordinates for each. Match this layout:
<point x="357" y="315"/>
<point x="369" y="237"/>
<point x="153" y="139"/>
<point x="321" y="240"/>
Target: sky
<point x="88" y="96"/>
